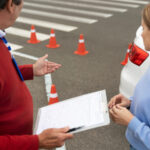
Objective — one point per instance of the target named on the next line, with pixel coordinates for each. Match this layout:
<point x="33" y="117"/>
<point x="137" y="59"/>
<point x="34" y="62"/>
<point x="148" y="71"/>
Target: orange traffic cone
<point x="52" y="40"/>
<point x="81" y="47"/>
<point x="125" y="61"/>
<point x="53" y="95"/>
<point x="33" y="38"/>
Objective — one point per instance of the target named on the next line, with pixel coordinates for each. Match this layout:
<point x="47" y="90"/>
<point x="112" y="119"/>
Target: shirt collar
<point x="2" y="33"/>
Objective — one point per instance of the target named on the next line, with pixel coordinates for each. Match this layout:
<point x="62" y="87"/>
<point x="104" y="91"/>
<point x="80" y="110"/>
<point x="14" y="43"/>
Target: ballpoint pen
<point x="74" y="129"/>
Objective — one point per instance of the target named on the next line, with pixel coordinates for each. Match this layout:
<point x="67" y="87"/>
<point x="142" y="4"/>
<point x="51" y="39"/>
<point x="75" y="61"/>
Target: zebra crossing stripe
<point x="15" y="46"/>
<point x="45" y="24"/>
<point x="65" y="9"/>
<point x="59" y="16"/>
<point x="25" y="33"/>
<point x="133" y="1"/>
<point x="61" y="148"/>
<point x="24" y="55"/>
<point x="111" y="3"/>
<point x="84" y="5"/>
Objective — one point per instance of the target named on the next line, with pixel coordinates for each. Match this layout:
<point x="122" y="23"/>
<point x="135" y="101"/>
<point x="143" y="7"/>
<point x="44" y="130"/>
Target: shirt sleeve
<point x="131" y="98"/>
<point x="22" y="142"/>
<point x="140" y="130"/>
<point x="27" y="71"/>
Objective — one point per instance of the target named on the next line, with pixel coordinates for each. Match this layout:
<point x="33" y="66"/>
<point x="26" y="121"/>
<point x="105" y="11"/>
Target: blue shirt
<point x="138" y="130"/>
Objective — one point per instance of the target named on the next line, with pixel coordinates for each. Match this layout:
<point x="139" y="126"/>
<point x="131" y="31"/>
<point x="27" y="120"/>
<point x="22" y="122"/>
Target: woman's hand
<point x="120" y="100"/>
<point x="121" y="115"/>
<point x="42" y="67"/>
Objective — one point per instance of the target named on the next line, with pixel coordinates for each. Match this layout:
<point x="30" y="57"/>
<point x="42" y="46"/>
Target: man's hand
<point x="120" y="100"/>
<point x="42" y="67"/>
<point x="121" y="115"/>
<point x="52" y="138"/>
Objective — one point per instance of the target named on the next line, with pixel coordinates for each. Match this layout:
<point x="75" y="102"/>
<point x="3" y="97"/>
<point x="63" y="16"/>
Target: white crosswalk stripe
<point x="59" y="16"/>
<point x="25" y="33"/>
<point x="84" y="5"/>
<point x="133" y="1"/>
<point x="111" y="3"/>
<point x="15" y="46"/>
<point x="46" y="24"/>
<point x="65" y="9"/>
<point x="24" y="55"/>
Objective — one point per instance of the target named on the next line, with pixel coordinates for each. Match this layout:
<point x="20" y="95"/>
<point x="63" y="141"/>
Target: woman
<point x="137" y="119"/>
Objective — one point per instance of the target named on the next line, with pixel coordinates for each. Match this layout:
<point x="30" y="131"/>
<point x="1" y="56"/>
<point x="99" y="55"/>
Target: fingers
<point x="51" y="67"/>
<point x="115" y="110"/>
<point x="51" y="64"/>
<point x="115" y="100"/>
<point x="112" y="102"/>
<point x="62" y="134"/>
<point x="45" y="56"/>
<point x="63" y="130"/>
<point x="119" y="107"/>
<point x="54" y="137"/>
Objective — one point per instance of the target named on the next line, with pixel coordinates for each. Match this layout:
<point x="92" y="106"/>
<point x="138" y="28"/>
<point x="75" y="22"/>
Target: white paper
<point x="86" y="110"/>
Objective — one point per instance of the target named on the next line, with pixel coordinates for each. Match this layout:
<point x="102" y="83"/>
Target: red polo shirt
<point x="16" y="106"/>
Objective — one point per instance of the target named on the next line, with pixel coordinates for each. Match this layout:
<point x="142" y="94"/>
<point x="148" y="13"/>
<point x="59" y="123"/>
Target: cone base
<point x="123" y="63"/>
<point x="53" y="101"/>
<point x="53" y="46"/>
<point x="31" y="42"/>
<point x="79" y="53"/>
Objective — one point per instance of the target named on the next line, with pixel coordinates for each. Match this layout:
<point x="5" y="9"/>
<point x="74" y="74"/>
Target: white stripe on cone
<point x="81" y="41"/>
<point x="53" y="95"/>
<point x="32" y="30"/>
<point x="52" y="35"/>
<point x="128" y="50"/>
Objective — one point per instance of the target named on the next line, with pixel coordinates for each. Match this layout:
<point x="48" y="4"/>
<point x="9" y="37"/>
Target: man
<point x="16" y="108"/>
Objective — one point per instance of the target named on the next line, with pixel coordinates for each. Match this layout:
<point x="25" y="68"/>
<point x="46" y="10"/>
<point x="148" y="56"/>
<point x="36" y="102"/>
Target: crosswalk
<point x="25" y="33"/>
<point x="71" y="12"/>
<point x="15" y="46"/>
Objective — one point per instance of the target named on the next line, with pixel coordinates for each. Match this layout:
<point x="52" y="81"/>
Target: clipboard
<point x="89" y="111"/>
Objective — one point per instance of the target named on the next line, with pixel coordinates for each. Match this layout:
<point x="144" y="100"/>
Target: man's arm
<point x="27" y="71"/>
<point x="22" y="142"/>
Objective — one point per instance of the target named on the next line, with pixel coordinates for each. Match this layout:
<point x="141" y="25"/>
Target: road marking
<point x="61" y="148"/>
<point x="59" y="16"/>
<point x="25" y="33"/>
<point x="24" y="55"/>
<point x="65" y="9"/>
<point x="111" y="3"/>
<point x="15" y="46"/>
<point x="133" y="1"/>
<point x="48" y="83"/>
<point x="84" y="5"/>
<point x="46" y="24"/>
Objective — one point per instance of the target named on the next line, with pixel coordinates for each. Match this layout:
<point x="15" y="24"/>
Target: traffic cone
<point x="81" y="47"/>
<point x="33" y="38"/>
<point x="125" y="61"/>
<point x="52" y="40"/>
<point x="53" y="95"/>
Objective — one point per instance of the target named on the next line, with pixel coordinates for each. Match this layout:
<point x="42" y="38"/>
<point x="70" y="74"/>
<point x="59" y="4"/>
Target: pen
<point x="74" y="129"/>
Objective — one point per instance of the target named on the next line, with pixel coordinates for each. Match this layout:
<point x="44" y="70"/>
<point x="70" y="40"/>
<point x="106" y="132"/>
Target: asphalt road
<point x="106" y="41"/>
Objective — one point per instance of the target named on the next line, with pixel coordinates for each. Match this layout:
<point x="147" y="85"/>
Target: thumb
<point x="64" y="130"/>
<point x="119" y="106"/>
<point x="45" y="56"/>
